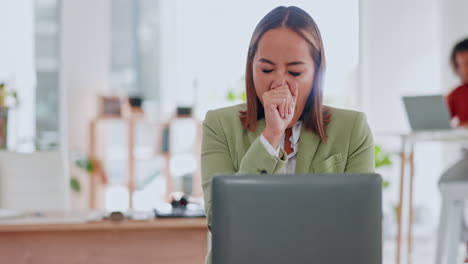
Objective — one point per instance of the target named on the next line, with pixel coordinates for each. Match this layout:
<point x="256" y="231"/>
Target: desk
<point x="407" y="159"/>
<point x="65" y="238"/>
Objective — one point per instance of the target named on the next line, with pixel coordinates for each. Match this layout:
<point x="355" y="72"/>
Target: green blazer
<point x="227" y="148"/>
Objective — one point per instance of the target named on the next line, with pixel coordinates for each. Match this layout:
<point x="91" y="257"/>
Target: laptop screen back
<point x="331" y="219"/>
<point x="427" y="112"/>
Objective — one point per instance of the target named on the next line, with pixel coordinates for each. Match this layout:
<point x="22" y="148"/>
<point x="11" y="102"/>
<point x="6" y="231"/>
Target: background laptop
<point x="427" y="112"/>
<point x="333" y="219"/>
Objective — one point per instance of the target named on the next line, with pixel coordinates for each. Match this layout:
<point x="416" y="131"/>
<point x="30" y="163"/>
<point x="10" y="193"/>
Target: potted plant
<point x="382" y="159"/>
<point x="4" y="96"/>
<point x="90" y="166"/>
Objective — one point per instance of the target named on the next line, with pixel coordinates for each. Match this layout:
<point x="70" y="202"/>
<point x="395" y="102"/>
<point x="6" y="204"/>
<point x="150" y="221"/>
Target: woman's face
<point x="284" y="57"/>
<point x="461" y="59"/>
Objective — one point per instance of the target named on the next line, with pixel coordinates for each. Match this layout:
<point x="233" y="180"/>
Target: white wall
<point x="207" y="41"/>
<point x="454" y="27"/>
<point x="404" y="50"/>
<point x="169" y="77"/>
<point x="17" y="67"/>
<point x="400" y="54"/>
<point x="33" y="181"/>
<point x="85" y="66"/>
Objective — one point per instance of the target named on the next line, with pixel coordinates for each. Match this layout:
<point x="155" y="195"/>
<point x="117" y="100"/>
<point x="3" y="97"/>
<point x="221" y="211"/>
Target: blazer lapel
<point x="308" y="145"/>
<point x="258" y="131"/>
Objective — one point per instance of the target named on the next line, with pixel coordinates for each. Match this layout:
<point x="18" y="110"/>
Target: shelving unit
<point x="96" y="182"/>
<point x="196" y="178"/>
<point x="46" y="36"/>
<point x="161" y="148"/>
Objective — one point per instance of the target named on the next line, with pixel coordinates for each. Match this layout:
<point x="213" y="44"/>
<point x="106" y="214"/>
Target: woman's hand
<point x="279" y="104"/>
<point x="463" y="124"/>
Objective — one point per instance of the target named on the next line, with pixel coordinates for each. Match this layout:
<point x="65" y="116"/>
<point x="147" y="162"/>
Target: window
<point x="46" y="36"/>
<point x="135" y="47"/>
<point x="134" y="71"/>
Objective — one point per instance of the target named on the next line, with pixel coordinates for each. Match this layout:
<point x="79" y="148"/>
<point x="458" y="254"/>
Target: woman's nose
<point x="278" y="82"/>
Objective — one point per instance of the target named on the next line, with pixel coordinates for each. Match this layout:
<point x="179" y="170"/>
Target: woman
<point x="457" y="102"/>
<point x="284" y="128"/>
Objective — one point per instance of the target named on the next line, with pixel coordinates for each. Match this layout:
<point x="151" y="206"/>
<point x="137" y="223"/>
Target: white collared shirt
<point x="294" y="139"/>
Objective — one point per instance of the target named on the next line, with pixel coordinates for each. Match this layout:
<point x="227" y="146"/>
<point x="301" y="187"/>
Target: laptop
<point x="333" y="219"/>
<point x="427" y="112"/>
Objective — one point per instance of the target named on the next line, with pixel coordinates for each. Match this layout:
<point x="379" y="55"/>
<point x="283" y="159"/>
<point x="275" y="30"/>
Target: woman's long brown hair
<point x="315" y="117"/>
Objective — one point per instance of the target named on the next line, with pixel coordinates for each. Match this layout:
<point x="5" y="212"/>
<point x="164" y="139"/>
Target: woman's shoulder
<point x="229" y="111"/>
<point x="342" y="120"/>
<point x="348" y="128"/>
<point x="226" y="116"/>
<point x="343" y="115"/>
<point x="457" y="92"/>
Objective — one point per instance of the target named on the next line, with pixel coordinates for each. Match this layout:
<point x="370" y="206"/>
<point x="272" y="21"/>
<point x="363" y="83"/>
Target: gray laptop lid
<point x="333" y="219"/>
<point x="427" y="112"/>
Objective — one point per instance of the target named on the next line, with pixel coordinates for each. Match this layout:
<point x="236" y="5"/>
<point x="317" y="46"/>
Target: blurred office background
<point x="71" y="66"/>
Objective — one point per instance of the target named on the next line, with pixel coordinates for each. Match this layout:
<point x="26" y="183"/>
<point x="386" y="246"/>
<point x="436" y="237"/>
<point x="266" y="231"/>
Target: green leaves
<point x="75" y="185"/>
<point x="4" y="94"/>
<point x="232" y="96"/>
<point x="85" y="164"/>
<point x="385" y="184"/>
<point x="381" y="158"/>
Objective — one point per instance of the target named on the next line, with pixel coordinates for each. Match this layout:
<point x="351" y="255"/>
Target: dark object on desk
<point x="165" y="139"/>
<point x="331" y="219"/>
<point x="184" y="111"/>
<point x="135" y="101"/>
<point x="115" y="216"/>
<point x="179" y="208"/>
<point x="181" y="202"/>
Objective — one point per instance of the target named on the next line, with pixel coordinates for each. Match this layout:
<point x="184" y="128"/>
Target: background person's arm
<point x="216" y="158"/>
<point x="463" y="124"/>
<point x="361" y="157"/>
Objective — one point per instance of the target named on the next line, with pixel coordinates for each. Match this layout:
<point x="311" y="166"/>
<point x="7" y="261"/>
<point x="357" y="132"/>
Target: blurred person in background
<point x="457" y="101"/>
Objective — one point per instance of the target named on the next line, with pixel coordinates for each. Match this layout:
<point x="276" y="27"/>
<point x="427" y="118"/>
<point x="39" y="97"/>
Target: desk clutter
<point x="13" y="217"/>
<point x="181" y="206"/>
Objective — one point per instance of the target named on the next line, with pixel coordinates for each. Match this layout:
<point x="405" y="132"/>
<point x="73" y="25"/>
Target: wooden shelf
<point x="96" y="183"/>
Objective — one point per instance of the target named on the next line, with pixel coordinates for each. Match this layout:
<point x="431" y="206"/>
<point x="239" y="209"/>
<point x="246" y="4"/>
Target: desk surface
<point x="455" y="134"/>
<point x="79" y="222"/>
<point x="70" y="238"/>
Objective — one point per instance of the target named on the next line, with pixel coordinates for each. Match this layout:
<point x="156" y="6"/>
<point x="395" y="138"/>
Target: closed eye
<point x="295" y="73"/>
<point x="267" y="71"/>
